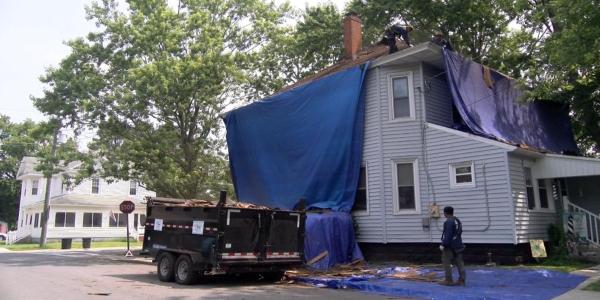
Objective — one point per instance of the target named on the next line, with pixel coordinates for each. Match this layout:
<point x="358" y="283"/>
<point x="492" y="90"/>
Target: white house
<point x="88" y="210"/>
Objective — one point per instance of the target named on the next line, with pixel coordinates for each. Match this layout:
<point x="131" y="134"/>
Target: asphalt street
<point x="107" y="274"/>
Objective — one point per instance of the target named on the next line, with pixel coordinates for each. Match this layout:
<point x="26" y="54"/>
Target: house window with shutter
<point x="360" y="201"/>
<point x="95" y="185"/>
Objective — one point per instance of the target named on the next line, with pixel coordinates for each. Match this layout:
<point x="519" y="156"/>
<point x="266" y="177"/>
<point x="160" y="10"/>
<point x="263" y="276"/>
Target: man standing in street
<point x="452" y="247"/>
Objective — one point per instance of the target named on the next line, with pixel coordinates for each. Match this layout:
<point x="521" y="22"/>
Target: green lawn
<point x="77" y="244"/>
<point x="594" y="286"/>
<point x="563" y="264"/>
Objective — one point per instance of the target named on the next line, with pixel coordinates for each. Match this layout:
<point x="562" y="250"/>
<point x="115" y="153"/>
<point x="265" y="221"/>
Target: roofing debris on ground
<point x="161" y="201"/>
<point x="360" y="268"/>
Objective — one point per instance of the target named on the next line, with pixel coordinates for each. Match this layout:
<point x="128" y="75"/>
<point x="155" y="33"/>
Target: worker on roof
<point x="438" y="39"/>
<point x="389" y="37"/>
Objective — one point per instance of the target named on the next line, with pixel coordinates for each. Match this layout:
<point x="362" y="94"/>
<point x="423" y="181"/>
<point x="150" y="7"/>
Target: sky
<point x="32" y="38"/>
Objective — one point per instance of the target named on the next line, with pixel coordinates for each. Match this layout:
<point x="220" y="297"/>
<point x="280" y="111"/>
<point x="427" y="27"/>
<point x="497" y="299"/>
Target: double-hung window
<point x="133" y="187"/>
<point x="95" y="185"/>
<point x="360" y="201"/>
<point x="406" y="187"/>
<point x="402" y="105"/>
<point x="462" y="175"/>
<point x="545" y="195"/>
<point x="529" y="188"/>
<point x="34" y="186"/>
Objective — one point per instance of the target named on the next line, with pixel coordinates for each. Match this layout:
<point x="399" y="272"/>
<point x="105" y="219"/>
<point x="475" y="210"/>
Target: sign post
<point x="127" y="207"/>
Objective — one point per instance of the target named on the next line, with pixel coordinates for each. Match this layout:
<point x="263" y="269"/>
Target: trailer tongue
<point x="188" y="238"/>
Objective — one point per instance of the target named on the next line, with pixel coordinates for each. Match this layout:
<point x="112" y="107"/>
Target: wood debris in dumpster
<point x="162" y="201"/>
<point x="360" y="268"/>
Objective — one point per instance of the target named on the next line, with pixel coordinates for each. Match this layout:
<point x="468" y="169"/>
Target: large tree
<point x="26" y="139"/>
<point x="152" y="82"/>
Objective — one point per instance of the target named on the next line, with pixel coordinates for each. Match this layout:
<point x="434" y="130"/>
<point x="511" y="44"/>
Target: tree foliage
<point x="16" y="141"/>
<point x="152" y="82"/>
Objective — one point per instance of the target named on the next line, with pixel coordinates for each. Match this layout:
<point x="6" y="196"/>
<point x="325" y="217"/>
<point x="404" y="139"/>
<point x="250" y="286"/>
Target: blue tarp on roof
<point x="306" y="142"/>
<point x="489" y="103"/>
<point x="482" y="283"/>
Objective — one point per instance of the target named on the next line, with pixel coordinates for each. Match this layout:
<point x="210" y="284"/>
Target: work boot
<point x="460" y="282"/>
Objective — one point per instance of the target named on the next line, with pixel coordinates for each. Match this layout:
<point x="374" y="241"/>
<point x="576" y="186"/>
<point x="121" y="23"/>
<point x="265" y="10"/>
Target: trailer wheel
<point x="273" y="276"/>
<point x="164" y="266"/>
<point x="184" y="271"/>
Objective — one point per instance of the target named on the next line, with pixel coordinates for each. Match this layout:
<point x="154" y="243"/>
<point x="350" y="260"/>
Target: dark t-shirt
<point x="452" y="235"/>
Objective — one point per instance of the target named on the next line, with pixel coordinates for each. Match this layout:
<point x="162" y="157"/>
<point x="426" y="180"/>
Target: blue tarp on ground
<point x="306" y="142"/>
<point x="491" y="105"/>
<point x="482" y="283"/>
<point x="332" y="232"/>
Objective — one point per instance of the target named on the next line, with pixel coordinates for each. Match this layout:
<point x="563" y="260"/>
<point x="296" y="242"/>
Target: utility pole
<point x="48" y="185"/>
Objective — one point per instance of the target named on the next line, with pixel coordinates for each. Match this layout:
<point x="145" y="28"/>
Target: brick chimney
<point x="352" y="35"/>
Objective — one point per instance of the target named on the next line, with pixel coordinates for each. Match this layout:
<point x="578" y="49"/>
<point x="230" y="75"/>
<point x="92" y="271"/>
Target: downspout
<point x="430" y="188"/>
<point x="380" y="137"/>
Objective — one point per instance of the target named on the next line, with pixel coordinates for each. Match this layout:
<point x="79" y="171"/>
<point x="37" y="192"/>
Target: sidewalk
<point x="578" y="293"/>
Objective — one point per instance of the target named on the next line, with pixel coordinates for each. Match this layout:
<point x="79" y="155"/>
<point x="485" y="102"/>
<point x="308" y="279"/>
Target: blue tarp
<point x="482" y="283"/>
<point x="332" y="232"/>
<point x="491" y="105"/>
<point x="306" y="142"/>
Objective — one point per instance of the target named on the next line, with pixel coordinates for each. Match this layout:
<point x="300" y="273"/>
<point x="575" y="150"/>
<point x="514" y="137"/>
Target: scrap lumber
<point x="318" y="257"/>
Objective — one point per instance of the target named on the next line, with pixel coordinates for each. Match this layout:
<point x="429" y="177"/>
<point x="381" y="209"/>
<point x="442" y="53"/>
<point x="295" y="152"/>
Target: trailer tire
<point x="184" y="271"/>
<point x="273" y="276"/>
<point x="165" y="267"/>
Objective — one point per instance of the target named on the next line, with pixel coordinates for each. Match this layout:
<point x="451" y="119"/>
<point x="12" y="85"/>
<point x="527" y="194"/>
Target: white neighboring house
<point x="88" y="210"/>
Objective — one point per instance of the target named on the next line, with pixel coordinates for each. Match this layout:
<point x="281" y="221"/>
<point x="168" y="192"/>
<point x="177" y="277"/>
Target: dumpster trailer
<point x="192" y="238"/>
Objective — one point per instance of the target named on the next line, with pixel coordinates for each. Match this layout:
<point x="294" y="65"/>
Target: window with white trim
<point x="95" y="185"/>
<point x="34" y="186"/>
<point x="462" y="174"/>
<point x="402" y="104"/>
<point x="64" y="219"/>
<point x="117" y="220"/>
<point x="92" y="219"/>
<point x="406" y="189"/>
<point x="529" y="188"/>
<point x="360" y="201"/>
<point x="545" y="195"/>
<point x="133" y="187"/>
<point x="36" y="220"/>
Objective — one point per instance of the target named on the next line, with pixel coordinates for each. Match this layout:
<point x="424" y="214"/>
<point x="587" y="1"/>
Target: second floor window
<point x="132" y="187"/>
<point x="34" y="186"/>
<point x="95" y="186"/>
<point x="402" y="104"/>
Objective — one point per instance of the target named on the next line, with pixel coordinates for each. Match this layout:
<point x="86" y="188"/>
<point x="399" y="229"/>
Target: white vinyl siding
<point x="529" y="223"/>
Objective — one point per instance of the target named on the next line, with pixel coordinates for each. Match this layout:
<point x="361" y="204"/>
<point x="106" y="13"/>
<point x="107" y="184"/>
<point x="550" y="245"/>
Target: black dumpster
<point x="87" y="243"/>
<point x="65" y="243"/>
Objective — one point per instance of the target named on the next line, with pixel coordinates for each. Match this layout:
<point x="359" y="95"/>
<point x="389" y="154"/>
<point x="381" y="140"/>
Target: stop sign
<point x="127" y="207"/>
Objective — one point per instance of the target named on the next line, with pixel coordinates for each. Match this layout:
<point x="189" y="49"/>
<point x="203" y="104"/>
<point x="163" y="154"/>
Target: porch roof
<point x="561" y="166"/>
<point x="83" y="200"/>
